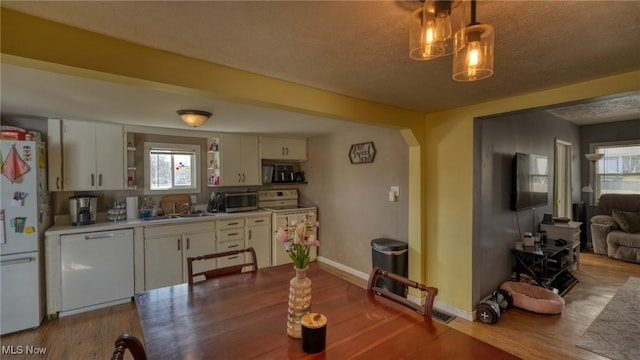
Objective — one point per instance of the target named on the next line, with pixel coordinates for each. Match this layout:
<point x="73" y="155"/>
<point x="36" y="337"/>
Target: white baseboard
<point x="437" y="304"/>
<point x="348" y="270"/>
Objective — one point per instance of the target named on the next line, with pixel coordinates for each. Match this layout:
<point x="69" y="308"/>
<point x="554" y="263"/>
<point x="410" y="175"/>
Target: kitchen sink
<point x="161" y="217"/>
<point x="176" y="216"/>
<point x="194" y="215"/>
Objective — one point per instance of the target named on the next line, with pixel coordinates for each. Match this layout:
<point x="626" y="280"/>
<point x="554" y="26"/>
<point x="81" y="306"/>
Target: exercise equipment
<point x="492" y="306"/>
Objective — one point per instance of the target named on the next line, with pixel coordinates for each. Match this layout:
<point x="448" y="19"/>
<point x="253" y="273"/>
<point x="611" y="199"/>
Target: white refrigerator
<point x="24" y="217"/>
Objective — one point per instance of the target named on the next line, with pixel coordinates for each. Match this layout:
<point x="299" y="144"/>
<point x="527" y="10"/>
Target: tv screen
<point x="530" y="186"/>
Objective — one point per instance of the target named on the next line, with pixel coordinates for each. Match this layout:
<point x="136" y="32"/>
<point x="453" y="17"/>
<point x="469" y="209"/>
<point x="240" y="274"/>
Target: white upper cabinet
<point x="239" y="160"/>
<point x="92" y="156"/>
<point x="283" y="149"/>
<point x="54" y="152"/>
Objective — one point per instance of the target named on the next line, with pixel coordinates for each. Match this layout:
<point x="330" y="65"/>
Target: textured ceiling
<point x="360" y="48"/>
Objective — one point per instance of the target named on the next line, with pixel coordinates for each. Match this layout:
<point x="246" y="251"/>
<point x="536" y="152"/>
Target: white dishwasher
<point x="97" y="270"/>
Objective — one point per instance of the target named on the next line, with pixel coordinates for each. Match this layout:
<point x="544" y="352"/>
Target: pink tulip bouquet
<point x="294" y="236"/>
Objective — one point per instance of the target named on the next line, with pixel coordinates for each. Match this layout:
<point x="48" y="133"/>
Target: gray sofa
<point x="615" y="228"/>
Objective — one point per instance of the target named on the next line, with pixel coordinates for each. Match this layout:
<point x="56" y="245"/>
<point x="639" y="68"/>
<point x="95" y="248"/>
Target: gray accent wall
<point x="495" y="226"/>
<point x="352" y="200"/>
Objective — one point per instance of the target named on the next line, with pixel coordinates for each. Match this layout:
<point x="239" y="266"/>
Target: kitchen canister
<point x="314" y="332"/>
<point x="132" y="207"/>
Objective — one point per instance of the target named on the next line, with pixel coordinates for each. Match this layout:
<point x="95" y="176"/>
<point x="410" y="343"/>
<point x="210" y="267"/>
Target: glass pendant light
<point x="431" y="29"/>
<point x="474" y="50"/>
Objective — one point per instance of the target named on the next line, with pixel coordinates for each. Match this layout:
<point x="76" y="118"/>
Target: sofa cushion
<point x="605" y="220"/>
<point x="629" y="221"/>
<point x="624" y="202"/>
<point x="624" y="246"/>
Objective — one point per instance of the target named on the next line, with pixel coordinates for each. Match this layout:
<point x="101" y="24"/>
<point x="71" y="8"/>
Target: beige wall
<point x="352" y="199"/>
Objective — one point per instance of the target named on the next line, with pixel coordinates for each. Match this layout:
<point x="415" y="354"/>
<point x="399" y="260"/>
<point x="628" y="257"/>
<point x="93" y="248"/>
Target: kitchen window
<point x="619" y="170"/>
<point x="171" y="168"/>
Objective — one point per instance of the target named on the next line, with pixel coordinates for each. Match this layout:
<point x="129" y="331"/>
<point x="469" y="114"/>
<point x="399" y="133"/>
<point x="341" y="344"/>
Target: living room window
<point x="171" y="168"/>
<point x="619" y="170"/>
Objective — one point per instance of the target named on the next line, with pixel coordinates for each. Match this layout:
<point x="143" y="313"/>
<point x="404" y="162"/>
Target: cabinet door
<point x="162" y="261"/>
<point x="251" y="168"/>
<point x="283" y="149"/>
<point x="259" y="238"/>
<point x="239" y="160"/>
<point x="93" y="156"/>
<point x="197" y="244"/>
<point x="109" y="157"/>
<point x="296" y="149"/>
<point x="79" y="155"/>
<point x="54" y="152"/>
<point x="230" y="159"/>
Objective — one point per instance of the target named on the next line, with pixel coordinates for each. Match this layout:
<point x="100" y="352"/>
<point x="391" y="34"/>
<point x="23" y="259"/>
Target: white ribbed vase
<point x="299" y="302"/>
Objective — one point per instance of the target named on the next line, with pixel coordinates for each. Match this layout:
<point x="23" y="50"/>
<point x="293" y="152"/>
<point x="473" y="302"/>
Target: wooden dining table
<point x="244" y="316"/>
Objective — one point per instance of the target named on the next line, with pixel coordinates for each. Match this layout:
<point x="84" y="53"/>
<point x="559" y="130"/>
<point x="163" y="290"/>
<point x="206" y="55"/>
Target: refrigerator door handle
<point x="17" y="261"/>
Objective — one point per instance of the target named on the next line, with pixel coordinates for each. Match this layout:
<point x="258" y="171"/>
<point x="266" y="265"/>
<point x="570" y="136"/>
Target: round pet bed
<point x="534" y="298"/>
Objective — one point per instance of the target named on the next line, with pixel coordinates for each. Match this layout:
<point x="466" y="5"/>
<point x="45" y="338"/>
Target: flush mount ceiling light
<point x="437" y="29"/>
<point x="194" y="118"/>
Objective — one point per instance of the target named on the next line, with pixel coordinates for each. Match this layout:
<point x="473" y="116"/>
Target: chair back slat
<point x="252" y="265"/>
<point x="431" y="292"/>
<point x="126" y="341"/>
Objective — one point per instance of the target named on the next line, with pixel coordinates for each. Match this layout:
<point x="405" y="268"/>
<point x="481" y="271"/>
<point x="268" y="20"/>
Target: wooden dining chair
<point x="126" y="341"/>
<point x="425" y="310"/>
<point x="222" y="271"/>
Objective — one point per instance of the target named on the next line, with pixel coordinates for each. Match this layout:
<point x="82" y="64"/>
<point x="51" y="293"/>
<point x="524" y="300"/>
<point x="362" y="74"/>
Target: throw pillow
<point x="629" y="221"/>
<point x="605" y="220"/>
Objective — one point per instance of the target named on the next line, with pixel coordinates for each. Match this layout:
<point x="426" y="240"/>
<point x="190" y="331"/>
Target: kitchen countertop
<point x="60" y="229"/>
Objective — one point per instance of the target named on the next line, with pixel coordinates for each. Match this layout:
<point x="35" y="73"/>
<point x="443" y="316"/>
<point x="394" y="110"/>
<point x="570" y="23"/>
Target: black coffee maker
<point x="82" y="209"/>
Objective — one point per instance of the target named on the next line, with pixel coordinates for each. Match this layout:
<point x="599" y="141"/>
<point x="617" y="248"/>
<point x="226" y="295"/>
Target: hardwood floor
<point x="530" y="336"/>
<point x="533" y="336"/>
<point x="90" y="335"/>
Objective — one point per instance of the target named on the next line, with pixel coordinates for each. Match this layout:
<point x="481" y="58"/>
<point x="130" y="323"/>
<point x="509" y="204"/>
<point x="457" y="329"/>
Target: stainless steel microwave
<point x="233" y="201"/>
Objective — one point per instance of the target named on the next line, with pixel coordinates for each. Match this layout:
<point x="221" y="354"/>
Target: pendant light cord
<point x="473" y="13"/>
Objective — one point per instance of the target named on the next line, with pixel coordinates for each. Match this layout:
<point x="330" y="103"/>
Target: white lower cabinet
<point x="259" y="237"/>
<point x="230" y="237"/>
<point x="162" y="261"/>
<point x="166" y="248"/>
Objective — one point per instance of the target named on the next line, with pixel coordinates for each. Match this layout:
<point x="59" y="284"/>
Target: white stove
<point x="285" y="208"/>
<point x="281" y="200"/>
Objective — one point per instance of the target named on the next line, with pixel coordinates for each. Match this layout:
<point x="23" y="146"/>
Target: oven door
<point x="279" y="254"/>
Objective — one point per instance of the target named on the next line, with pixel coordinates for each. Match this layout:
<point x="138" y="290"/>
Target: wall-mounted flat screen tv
<point x="530" y="185"/>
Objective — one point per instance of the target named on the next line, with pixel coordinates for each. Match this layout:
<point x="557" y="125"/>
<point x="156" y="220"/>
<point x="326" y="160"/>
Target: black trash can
<point x="393" y="256"/>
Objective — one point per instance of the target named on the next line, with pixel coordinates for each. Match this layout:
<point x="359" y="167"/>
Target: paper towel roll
<point x="132" y="207"/>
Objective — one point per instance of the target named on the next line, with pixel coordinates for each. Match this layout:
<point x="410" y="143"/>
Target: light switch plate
<point x="394" y="193"/>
